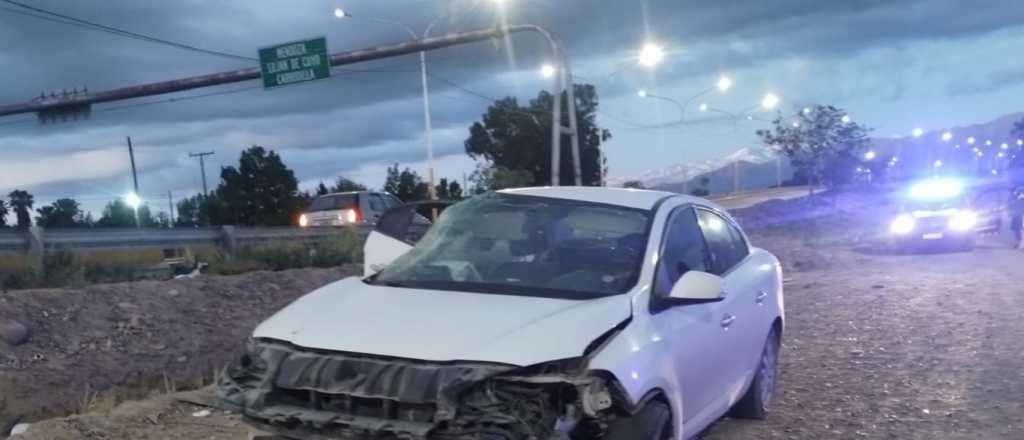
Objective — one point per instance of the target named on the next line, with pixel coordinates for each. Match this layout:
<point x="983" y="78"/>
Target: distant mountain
<point x="921" y="152"/>
<point x="756" y="166"/>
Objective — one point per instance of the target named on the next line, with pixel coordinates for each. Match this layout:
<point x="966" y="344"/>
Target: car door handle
<point x="727" y="321"/>
<point x="760" y="297"/>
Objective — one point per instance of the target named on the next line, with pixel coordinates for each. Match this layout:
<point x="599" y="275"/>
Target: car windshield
<point x="333" y="202"/>
<point x="938" y="204"/>
<point x="531" y="246"/>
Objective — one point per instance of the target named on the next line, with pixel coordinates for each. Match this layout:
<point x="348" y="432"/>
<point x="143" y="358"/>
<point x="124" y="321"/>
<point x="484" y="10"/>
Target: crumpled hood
<point x="434" y="325"/>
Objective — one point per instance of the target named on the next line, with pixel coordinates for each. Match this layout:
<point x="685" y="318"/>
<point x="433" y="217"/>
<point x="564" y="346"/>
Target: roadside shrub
<point x="345" y="247"/>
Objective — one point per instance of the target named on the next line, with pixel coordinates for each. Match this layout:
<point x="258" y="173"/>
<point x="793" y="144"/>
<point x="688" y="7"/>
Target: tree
<point x="260" y="191"/>
<point x="446" y="190"/>
<point x="21" y="203"/>
<point x="820" y="144"/>
<point x="63" y="213"/>
<point x="702" y="190"/>
<point x="3" y="214"/>
<point x="347" y="185"/>
<point x="516" y="141"/>
<point x="321" y="189"/>
<point x="636" y="184"/>
<point x="407" y="185"/>
<point x="117" y="214"/>
<point x="163" y="220"/>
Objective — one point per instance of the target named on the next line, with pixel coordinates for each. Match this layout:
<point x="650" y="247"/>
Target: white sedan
<point x="538" y="313"/>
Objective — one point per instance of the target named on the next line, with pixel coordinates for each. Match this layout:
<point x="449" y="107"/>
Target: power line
<point x="67" y="19"/>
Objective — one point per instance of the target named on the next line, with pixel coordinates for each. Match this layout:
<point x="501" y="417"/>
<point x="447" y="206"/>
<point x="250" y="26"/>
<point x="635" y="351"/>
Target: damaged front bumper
<point x="319" y="395"/>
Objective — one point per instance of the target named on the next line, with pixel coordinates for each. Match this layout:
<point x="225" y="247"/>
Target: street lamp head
<point x="947" y="136"/>
<point x="548" y="71"/>
<point x="641" y="93"/>
<point x="1020" y="142"/>
<point x="918" y="132"/>
<point x="133" y="200"/>
<point x="870" y="155"/>
<point x="340" y="13"/>
<point x="988" y="143"/>
<point x="651" y="55"/>
<point x="807" y="110"/>
<point x="937" y="164"/>
<point x="703" y="107"/>
<point x="724" y="83"/>
<point x="1004" y="146"/>
<point x="769" y="101"/>
<point x="796" y="124"/>
<point x="970" y="140"/>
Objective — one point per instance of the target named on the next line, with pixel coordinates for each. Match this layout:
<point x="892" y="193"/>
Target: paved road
<point x="751" y="198"/>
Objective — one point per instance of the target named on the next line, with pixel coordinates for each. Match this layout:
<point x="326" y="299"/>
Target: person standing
<point x="1016" y="208"/>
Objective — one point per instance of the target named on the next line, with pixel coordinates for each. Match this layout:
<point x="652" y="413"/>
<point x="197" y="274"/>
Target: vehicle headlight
<point x="963" y="220"/>
<point x="348" y="216"/>
<point x="303" y="221"/>
<point x="902" y="225"/>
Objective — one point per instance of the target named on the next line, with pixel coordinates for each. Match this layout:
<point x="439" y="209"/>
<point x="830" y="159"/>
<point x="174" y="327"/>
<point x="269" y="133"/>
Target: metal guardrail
<point x="37" y="240"/>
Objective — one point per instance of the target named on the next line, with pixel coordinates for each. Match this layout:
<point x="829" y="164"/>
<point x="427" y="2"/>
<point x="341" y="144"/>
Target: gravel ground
<point x="94" y="346"/>
<point x="876" y="347"/>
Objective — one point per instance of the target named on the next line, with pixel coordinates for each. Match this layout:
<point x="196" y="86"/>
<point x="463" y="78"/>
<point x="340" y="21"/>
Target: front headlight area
<point x="903" y="224"/>
<point x="963" y="221"/>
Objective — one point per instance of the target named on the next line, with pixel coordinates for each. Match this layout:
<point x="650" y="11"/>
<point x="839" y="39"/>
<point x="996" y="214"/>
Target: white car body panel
<point x="381" y="250"/>
<point x="352" y="316"/>
<point x="683" y="352"/>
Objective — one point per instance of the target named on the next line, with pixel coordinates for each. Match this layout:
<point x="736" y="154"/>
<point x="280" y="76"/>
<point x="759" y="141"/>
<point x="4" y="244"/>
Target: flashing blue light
<point x="936" y="189"/>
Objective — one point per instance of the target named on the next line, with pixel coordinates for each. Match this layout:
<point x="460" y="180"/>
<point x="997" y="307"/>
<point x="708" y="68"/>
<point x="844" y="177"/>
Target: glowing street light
<point x="769" y="101"/>
<point x="870" y="155"/>
<point x="724" y="83"/>
<point x="796" y="124"/>
<point x="845" y="119"/>
<point x="918" y="132"/>
<point x="937" y="164"/>
<point x="133" y="200"/>
<point x="548" y="71"/>
<point x="970" y="140"/>
<point x="957" y="146"/>
<point x="947" y="136"/>
<point x="988" y="143"/>
<point x="703" y="107"/>
<point x="1020" y="142"/>
<point x="651" y="55"/>
<point x="807" y="110"/>
<point x="1004" y="146"/>
<point x="1001" y="154"/>
<point x="981" y="153"/>
<point x="641" y="93"/>
<point x="340" y="13"/>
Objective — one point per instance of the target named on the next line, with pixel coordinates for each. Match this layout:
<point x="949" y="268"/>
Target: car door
<point x="396" y="231"/>
<point x="728" y="251"/>
<point x="695" y="331"/>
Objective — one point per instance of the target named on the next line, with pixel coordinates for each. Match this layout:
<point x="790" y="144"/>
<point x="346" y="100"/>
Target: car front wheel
<point x="757" y="400"/>
<point x="653" y="422"/>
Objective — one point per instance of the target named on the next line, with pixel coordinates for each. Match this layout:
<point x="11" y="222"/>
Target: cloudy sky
<point x="892" y="65"/>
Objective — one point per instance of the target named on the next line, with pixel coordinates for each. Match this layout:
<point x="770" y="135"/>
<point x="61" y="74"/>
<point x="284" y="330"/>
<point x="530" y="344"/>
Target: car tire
<point x="653" y="422"/>
<point x="756" y="403"/>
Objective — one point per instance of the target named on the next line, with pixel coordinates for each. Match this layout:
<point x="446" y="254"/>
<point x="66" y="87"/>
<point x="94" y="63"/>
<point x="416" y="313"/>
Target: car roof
<point x="346" y="193"/>
<point x="627" y="197"/>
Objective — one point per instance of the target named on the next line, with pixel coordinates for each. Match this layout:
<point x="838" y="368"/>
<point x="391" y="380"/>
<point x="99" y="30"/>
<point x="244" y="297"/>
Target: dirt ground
<point x="877" y="346"/>
<point x="96" y="345"/>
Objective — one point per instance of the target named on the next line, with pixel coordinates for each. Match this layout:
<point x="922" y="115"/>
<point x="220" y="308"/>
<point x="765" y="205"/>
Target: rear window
<point x="333" y="202"/>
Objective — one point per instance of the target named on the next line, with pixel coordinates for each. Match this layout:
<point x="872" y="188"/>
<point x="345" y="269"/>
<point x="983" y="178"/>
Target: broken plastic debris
<point x="203" y="413"/>
<point x="20" y="428"/>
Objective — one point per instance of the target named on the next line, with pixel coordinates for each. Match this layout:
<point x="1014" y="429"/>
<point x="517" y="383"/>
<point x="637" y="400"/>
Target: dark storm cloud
<point x="992" y="81"/>
<point x="375" y="115"/>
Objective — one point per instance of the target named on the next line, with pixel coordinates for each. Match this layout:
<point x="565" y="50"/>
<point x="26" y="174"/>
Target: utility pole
<point x="202" y="167"/>
<point x="131" y="155"/>
<point x="778" y="171"/>
<point x="170" y="207"/>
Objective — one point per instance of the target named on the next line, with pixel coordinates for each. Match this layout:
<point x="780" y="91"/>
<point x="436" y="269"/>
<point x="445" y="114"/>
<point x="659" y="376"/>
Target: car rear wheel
<point x="653" y="422"/>
<point x="756" y="402"/>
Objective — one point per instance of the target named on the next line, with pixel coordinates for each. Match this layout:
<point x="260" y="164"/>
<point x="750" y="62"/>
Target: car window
<point x="377" y="203"/>
<point x="683" y="250"/>
<point x="392" y="201"/>
<point x="333" y="202"/>
<point x="524" y="245"/>
<point x="725" y="242"/>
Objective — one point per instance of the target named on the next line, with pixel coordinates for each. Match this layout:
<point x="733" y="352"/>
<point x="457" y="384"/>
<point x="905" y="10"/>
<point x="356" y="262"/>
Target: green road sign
<point x="294" y="62"/>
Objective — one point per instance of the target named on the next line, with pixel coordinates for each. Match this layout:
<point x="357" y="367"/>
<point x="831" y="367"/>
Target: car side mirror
<point x="698" y="287"/>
